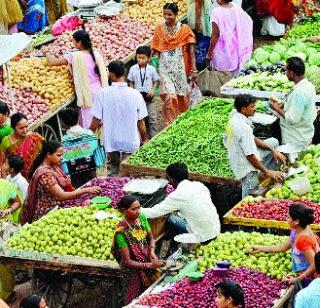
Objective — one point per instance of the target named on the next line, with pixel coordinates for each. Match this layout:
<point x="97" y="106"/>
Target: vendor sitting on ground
<point x="245" y="159"/>
<point x="133" y="248"/>
<point x="298" y="112"/>
<point x="196" y="212"/>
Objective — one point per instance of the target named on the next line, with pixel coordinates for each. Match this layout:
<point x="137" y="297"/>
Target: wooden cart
<point x="54" y="275"/>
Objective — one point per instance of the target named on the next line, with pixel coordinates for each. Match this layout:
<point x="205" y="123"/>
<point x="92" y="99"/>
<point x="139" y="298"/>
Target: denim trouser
<point x="176" y="225"/>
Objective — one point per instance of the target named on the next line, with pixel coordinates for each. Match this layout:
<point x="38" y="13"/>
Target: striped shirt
<point x="120" y="108"/>
<point x="240" y="144"/>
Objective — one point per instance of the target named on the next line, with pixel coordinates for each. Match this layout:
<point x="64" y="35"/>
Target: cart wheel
<point x="47" y="132"/>
<point x="54" y="287"/>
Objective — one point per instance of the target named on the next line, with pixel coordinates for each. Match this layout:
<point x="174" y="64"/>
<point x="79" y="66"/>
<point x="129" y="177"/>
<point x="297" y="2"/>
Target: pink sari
<point x="235" y="44"/>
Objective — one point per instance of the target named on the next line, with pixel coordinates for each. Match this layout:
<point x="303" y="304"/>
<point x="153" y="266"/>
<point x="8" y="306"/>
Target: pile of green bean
<point x="195" y="138"/>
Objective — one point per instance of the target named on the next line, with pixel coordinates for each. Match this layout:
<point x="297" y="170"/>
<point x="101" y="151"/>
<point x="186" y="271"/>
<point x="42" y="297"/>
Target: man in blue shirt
<point x="310" y="296"/>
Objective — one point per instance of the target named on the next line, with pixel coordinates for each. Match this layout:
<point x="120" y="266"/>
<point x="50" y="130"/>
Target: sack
<point x="194" y="94"/>
<point x="210" y="81"/>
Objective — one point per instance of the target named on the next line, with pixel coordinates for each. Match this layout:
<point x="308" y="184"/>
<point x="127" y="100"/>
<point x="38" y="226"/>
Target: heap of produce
<point x="234" y="247"/>
<point x="39" y="39"/>
<point x="311" y="158"/>
<point x="260" y="291"/>
<point x="313" y="75"/>
<point x="273" y="57"/>
<point x="115" y="37"/>
<point x="110" y="187"/>
<point x="25" y="101"/>
<point x="260" y="208"/>
<point x="151" y="12"/>
<point x="73" y="231"/>
<point x="310" y="27"/>
<point x="53" y="83"/>
<point x="194" y="138"/>
<point x="263" y="82"/>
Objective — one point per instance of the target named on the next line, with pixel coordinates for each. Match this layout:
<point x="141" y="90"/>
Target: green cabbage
<point x="314" y="59"/>
<point x="250" y="63"/>
<point x="274" y="57"/>
<point x="300" y="47"/>
<point x="261" y="55"/>
<point x="311" y="51"/>
<point x="280" y="49"/>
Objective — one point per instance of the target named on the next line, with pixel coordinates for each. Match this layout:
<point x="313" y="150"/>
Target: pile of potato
<point x="53" y="83"/>
<point x="151" y="11"/>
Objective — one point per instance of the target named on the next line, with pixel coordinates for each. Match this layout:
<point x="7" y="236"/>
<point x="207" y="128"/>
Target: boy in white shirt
<point x="13" y="167"/>
<point x="70" y="117"/>
<point x="144" y="78"/>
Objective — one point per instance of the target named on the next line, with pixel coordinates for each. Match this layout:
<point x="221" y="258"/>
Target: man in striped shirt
<point x="121" y="110"/>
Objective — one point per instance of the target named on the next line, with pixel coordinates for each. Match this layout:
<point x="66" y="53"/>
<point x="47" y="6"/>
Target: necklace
<point x="172" y="30"/>
<point x="139" y="234"/>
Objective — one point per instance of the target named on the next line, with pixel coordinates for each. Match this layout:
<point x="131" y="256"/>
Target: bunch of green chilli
<point x="195" y="138"/>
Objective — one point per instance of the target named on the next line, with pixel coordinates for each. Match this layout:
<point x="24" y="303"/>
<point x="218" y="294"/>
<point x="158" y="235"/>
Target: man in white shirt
<point x="245" y="159"/>
<point x="193" y="203"/>
<point x="298" y="112"/>
<point x="121" y="110"/>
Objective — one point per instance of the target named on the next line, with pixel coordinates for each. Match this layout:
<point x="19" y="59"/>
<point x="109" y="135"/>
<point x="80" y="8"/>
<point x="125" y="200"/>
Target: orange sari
<point x="174" y="67"/>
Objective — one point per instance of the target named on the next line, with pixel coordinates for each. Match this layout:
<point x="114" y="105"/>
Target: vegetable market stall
<point x="263" y="213"/>
<point x="112" y="187"/>
<point x="65" y="245"/>
<point x="185" y="293"/>
<point x="195" y="138"/>
<point x="54" y="275"/>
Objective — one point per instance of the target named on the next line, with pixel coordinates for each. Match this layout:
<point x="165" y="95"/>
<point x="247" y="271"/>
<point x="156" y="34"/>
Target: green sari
<point x="8" y="192"/>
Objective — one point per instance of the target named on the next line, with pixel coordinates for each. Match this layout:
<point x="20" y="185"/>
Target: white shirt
<point x="240" y="144"/>
<point x="143" y="78"/>
<point x="120" y="108"/>
<point x="300" y="113"/>
<point x="193" y="201"/>
<point x="20" y="182"/>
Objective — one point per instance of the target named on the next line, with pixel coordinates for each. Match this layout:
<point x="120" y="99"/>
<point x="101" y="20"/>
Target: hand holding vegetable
<point x="289" y="279"/>
<point x="92" y="190"/>
<point x="156" y="264"/>
<point x="4" y="213"/>
<point x="275" y="175"/>
<point x="255" y="249"/>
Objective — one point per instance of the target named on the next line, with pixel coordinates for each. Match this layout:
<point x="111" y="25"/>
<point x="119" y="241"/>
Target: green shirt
<point x="121" y="240"/>
<point x="5" y="130"/>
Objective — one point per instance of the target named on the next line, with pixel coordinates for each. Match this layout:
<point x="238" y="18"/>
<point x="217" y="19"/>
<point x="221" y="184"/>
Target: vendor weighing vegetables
<point x="298" y="112"/>
<point x="192" y="200"/>
<point x="245" y="159"/>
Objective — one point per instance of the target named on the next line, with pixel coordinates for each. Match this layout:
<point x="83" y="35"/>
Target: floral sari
<point x="136" y="239"/>
<point x="39" y="200"/>
<point x="27" y="148"/>
<point x="174" y="67"/>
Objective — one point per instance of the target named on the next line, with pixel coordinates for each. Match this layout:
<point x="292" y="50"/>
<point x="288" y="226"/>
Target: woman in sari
<point x="89" y="73"/>
<point x="35" y="17"/>
<point x="173" y="43"/>
<point x="21" y="142"/>
<point x="232" y="39"/>
<point x="49" y="186"/>
<point x="303" y="243"/>
<point x="10" y="208"/>
<point x="133" y="248"/>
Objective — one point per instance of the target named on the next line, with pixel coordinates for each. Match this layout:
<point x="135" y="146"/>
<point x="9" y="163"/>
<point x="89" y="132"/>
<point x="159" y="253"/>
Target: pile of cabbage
<point x="279" y="52"/>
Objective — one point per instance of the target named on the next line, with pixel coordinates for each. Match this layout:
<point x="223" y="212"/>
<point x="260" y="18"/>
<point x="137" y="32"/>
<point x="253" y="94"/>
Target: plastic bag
<point x="300" y="185"/>
<point x="195" y="95"/>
